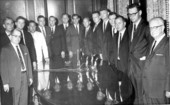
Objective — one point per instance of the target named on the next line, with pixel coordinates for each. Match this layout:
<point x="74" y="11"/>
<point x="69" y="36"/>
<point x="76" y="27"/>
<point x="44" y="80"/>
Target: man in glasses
<point x="138" y="44"/>
<point x="156" y="71"/>
<point x="16" y="69"/>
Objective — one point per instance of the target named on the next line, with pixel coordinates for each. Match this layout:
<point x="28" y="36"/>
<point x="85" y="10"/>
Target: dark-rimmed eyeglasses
<point x="16" y="36"/>
<point x="132" y="14"/>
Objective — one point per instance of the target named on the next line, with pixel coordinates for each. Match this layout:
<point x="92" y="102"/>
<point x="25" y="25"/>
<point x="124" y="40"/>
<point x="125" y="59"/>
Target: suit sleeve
<point x="168" y="67"/>
<point x="4" y="66"/>
<point x="29" y="67"/>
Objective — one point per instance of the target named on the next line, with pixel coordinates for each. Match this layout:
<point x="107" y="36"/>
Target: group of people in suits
<point x="139" y="51"/>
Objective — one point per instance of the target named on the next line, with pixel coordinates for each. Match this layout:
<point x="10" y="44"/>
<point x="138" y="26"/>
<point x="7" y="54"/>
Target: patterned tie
<point x="43" y="32"/>
<point x="20" y="58"/>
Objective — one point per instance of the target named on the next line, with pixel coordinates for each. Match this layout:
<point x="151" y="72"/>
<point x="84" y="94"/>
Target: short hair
<point x="20" y="17"/>
<point x="7" y="18"/>
<point x="121" y="17"/>
<point x="40" y="16"/>
<point x="160" y="19"/>
<point x="113" y="13"/>
<point x="66" y="15"/>
<point x="104" y="9"/>
<point x="53" y="17"/>
<point x="86" y="18"/>
<point x="75" y="15"/>
<point x="96" y="12"/>
<point x="32" y="21"/>
<point x="136" y="5"/>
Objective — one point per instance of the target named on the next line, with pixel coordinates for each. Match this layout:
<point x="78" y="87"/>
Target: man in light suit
<point x="16" y="69"/>
<point x="45" y="30"/>
<point x="156" y="74"/>
<point x="74" y="40"/>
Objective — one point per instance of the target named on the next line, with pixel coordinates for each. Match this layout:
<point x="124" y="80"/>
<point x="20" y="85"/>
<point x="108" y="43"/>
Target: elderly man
<point x="156" y="74"/>
<point x="16" y="70"/>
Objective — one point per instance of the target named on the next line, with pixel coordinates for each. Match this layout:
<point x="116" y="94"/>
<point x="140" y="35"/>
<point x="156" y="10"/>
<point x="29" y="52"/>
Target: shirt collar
<point x="159" y="39"/>
<point x="137" y="23"/>
<point x="122" y="32"/>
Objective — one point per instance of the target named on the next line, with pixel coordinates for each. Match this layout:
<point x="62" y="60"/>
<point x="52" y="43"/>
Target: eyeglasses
<point x="132" y="14"/>
<point x="16" y="36"/>
<point x="155" y="27"/>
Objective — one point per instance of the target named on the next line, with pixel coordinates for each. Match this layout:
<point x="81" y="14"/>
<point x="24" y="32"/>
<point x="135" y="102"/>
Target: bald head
<point x="156" y="27"/>
<point x="15" y="36"/>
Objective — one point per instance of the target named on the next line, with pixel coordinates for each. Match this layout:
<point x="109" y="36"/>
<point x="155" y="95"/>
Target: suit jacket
<point x="58" y="43"/>
<point x="11" y="66"/>
<point x="138" y="47"/>
<point x="97" y="38"/>
<point x="87" y="42"/>
<point x="47" y="37"/>
<point x="156" y="74"/>
<point x="48" y="33"/>
<point x="123" y="51"/>
<point x="30" y="45"/>
<point x="4" y="39"/>
<point x="107" y="35"/>
<point x="74" y="39"/>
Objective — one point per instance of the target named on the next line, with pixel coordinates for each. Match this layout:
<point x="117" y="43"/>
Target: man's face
<point x="134" y="14"/>
<point x="104" y="14"/>
<point x="20" y="24"/>
<point x="15" y="37"/>
<point x="86" y="23"/>
<point x="75" y="20"/>
<point x="8" y="25"/>
<point x="120" y="24"/>
<point x="41" y="22"/>
<point x="96" y="18"/>
<point x="156" y="28"/>
<point x="112" y="20"/>
<point x="32" y="27"/>
<point x="52" y="21"/>
<point x="65" y="19"/>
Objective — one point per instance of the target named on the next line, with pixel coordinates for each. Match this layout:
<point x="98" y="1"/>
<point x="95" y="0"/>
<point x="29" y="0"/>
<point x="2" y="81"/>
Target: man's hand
<point x="47" y="60"/>
<point x="34" y="65"/>
<point x="63" y="54"/>
<point x="70" y="54"/>
<point x="167" y="94"/>
<point x="6" y="88"/>
<point x="30" y="81"/>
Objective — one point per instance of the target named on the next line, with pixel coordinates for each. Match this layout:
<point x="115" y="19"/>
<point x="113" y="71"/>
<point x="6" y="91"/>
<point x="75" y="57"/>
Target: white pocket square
<point x="159" y="54"/>
<point x="143" y="58"/>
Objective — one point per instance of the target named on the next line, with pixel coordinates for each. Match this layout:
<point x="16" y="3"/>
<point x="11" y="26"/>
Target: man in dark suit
<point x="156" y="74"/>
<point x="58" y="42"/>
<point x="59" y="49"/>
<point x="8" y="26"/>
<point x="97" y="34"/>
<point x="120" y="56"/>
<point x="106" y="28"/>
<point x="74" y="40"/>
<point x="26" y="38"/>
<point x="112" y="17"/>
<point x="87" y="37"/>
<point x="45" y="30"/>
<point x="16" y="70"/>
<point x="138" y="45"/>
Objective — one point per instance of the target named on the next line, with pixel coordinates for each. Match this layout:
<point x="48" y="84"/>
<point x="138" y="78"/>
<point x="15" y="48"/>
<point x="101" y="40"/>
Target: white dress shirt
<point x="40" y="46"/>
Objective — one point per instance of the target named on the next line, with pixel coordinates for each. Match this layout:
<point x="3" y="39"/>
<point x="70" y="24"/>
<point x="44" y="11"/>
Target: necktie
<point x="43" y="32"/>
<point x="20" y="58"/>
<point x="134" y="30"/>
<point x="104" y="26"/>
<point x="52" y="30"/>
<point x="153" y="46"/>
<point x="94" y="27"/>
<point x="119" y="40"/>
<point x="76" y="27"/>
<point x="22" y="39"/>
